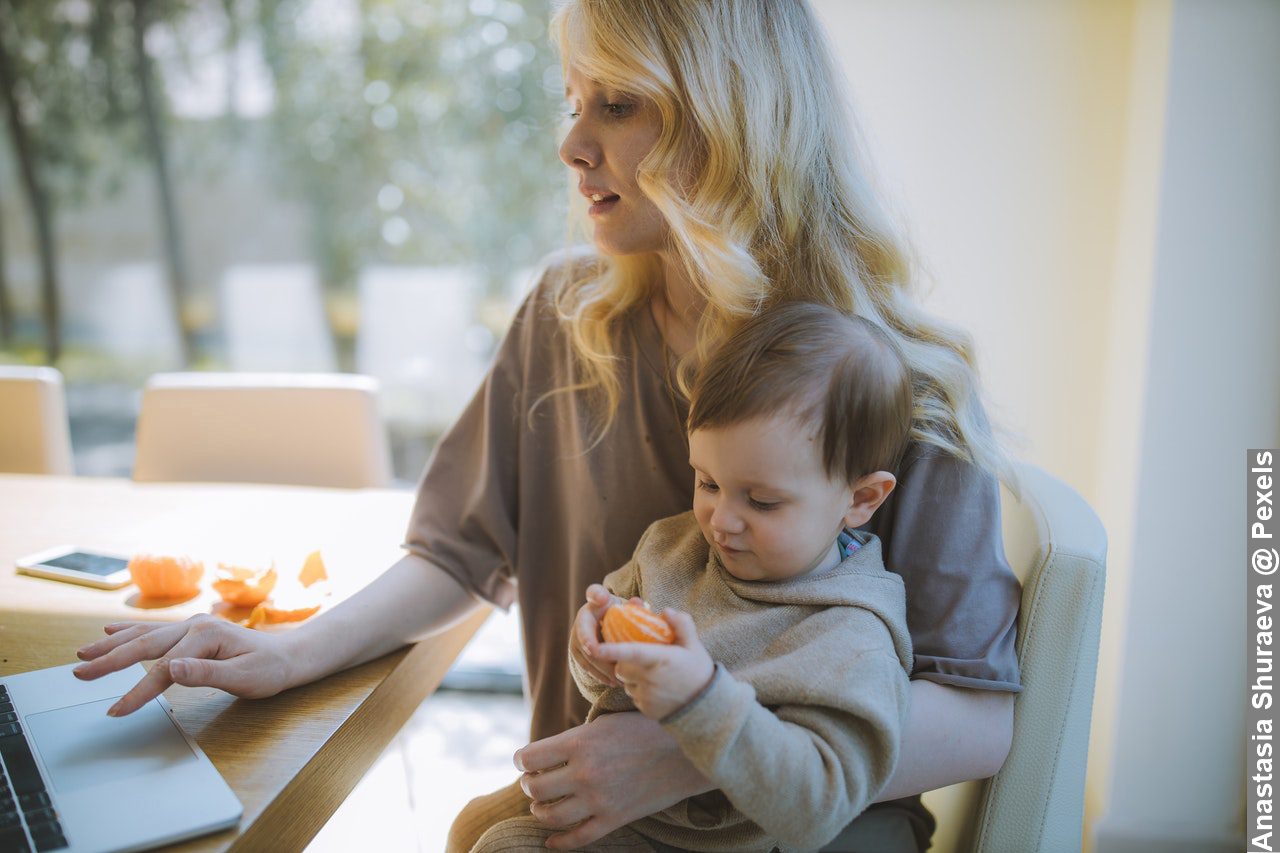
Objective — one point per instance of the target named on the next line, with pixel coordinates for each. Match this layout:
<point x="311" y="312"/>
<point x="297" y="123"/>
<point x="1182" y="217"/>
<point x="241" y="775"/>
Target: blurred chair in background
<point x="1057" y="548"/>
<point x="34" y="436"/>
<point x="305" y="429"/>
<point x="273" y="318"/>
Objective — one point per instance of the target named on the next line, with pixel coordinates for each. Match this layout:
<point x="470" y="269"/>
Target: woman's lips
<point x="602" y="206"/>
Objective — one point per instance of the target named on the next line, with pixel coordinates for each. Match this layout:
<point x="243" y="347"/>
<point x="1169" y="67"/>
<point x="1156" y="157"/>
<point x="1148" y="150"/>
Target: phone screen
<point x="93" y="564"/>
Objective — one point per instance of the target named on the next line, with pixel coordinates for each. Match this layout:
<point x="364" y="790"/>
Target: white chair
<point x="1057" y="548"/>
<point x="299" y="429"/>
<point x="34" y="436"/>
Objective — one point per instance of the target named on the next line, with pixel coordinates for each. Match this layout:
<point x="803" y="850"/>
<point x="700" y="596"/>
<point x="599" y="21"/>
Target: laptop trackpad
<point x="83" y="747"/>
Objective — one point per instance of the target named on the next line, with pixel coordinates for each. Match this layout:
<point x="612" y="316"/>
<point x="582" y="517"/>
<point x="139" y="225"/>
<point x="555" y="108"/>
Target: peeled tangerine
<point x="244" y="587"/>
<point x="160" y="576"/>
<point x="634" y="623"/>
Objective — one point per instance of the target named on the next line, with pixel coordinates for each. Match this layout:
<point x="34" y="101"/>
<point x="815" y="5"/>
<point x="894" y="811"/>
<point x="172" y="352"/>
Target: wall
<point x="1095" y="189"/>
<point x="1212" y="390"/>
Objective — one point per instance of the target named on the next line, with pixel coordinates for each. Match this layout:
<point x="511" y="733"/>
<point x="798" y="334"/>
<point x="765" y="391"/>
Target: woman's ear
<point x="868" y="493"/>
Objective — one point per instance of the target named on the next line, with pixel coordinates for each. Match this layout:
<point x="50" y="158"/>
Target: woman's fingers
<point x="192" y="644"/>
<point x="145" y="646"/>
<point x="120" y="626"/>
<point x="564" y="813"/>
<point x="228" y="675"/>
<point x="547" y="786"/>
<point x="544" y="754"/>
<point x="98" y="648"/>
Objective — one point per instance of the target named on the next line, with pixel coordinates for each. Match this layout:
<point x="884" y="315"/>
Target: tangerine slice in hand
<point x="634" y="623"/>
<point x="162" y="576"/>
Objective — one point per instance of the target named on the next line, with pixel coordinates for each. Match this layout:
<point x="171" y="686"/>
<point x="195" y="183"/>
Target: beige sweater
<point x="800" y="726"/>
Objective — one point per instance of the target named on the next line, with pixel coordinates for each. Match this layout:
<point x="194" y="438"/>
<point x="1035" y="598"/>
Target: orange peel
<point x="634" y="623"/>
<point x="244" y="587"/>
<point x="267" y="613"/>
<point x="312" y="570"/>
<point x="165" y="576"/>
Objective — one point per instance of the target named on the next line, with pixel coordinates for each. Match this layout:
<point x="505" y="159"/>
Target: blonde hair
<point x="778" y="207"/>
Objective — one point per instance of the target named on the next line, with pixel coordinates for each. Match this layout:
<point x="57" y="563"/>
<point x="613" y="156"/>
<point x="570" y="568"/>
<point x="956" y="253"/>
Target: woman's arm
<point x="409" y="601"/>
<point x="953" y="734"/>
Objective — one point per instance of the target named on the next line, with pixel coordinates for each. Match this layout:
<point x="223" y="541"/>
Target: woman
<point x="709" y="139"/>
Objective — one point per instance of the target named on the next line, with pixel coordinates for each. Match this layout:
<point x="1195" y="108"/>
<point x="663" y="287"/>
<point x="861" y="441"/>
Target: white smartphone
<point x="78" y="565"/>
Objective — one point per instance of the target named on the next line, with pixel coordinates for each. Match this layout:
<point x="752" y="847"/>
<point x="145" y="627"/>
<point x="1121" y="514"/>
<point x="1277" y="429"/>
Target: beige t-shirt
<point x="514" y="491"/>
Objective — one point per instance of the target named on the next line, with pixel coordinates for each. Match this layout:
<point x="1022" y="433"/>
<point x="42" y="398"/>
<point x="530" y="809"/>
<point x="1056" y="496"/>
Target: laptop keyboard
<point x="27" y="817"/>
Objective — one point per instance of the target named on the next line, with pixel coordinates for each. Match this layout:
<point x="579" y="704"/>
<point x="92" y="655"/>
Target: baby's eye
<point x="707" y="486"/>
<point x="763" y="506"/>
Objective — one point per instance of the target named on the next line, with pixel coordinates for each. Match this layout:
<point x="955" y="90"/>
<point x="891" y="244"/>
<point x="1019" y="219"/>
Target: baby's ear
<point x="868" y="493"/>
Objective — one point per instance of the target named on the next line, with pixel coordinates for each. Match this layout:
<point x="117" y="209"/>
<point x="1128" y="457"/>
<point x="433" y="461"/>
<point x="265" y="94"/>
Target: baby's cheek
<point x="702" y="510"/>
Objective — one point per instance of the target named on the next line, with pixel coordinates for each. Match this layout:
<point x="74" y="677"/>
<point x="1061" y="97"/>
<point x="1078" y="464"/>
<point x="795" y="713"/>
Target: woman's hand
<point x="603" y="775"/>
<point x="662" y="679"/>
<point x="584" y="639"/>
<point x="203" y="651"/>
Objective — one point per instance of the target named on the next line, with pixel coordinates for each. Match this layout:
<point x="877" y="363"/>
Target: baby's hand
<point x="584" y="638"/>
<point x="662" y="679"/>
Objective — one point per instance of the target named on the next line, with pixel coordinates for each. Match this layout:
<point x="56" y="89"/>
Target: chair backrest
<point x="299" y="429"/>
<point x="1057" y="548"/>
<point x="34" y="436"/>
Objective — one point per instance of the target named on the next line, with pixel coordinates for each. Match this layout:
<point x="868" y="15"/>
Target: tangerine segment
<point x="634" y="623"/>
<point x="270" y="614"/>
<point x="163" y="576"/>
<point x="244" y="587"/>
<point x="313" y="570"/>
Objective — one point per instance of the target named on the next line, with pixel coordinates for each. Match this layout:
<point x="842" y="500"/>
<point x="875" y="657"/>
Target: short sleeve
<point x="465" y="516"/>
<point x="940" y="529"/>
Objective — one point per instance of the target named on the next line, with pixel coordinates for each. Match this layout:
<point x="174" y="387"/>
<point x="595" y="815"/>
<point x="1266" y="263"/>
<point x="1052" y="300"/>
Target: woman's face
<point x="610" y="134"/>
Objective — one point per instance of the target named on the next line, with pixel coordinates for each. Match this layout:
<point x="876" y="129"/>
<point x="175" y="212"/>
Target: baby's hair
<point x="820" y="366"/>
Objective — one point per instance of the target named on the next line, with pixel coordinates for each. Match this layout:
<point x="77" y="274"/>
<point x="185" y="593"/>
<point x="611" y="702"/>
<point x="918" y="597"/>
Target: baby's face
<point x="763" y="500"/>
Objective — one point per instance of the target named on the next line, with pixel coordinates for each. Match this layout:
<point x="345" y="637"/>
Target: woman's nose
<point x="579" y="150"/>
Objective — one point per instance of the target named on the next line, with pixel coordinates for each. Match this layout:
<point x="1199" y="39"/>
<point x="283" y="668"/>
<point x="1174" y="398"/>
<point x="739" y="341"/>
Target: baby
<point x="791" y="693"/>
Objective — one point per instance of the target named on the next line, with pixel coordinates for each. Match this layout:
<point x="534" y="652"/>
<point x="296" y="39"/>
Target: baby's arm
<point x="804" y="770"/>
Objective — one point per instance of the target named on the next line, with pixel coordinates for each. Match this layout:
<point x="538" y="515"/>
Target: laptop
<point x="73" y="779"/>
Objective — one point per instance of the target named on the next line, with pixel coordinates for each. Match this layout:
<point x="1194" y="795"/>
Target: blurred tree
<point x="152" y="111"/>
<point x="26" y="39"/>
<point x="415" y="133"/>
<point x="6" y="305"/>
<point x="73" y="74"/>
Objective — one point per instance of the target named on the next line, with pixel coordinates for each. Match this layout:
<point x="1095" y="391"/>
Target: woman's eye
<point x="618" y="110"/>
<point x="707" y="486"/>
<point x="572" y="114"/>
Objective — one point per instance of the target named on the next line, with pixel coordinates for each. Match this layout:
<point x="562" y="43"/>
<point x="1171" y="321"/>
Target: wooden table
<point x="291" y="759"/>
